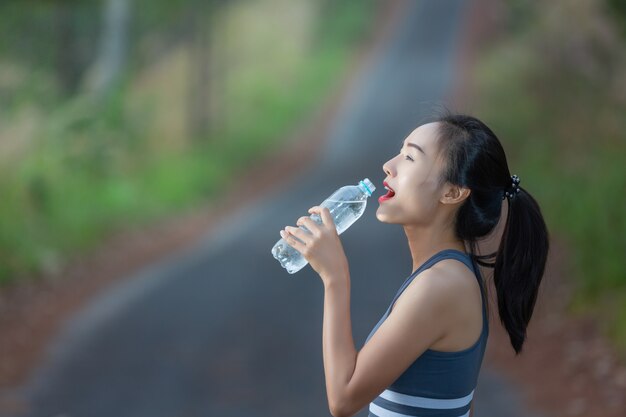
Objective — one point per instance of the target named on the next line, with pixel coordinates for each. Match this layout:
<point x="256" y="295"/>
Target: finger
<point x="327" y="218"/>
<point x="292" y="241"/>
<point x="302" y="235"/>
<point x="316" y="210"/>
<point x="310" y="224"/>
<point x="317" y="218"/>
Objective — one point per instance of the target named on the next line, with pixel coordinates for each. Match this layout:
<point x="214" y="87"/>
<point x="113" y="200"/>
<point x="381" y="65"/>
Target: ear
<point x="454" y="194"/>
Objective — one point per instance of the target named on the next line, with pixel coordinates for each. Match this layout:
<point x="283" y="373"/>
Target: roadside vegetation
<point x="552" y="85"/>
<point x="116" y="113"/>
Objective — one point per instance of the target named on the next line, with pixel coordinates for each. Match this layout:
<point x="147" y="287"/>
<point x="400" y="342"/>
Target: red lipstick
<point x="390" y="193"/>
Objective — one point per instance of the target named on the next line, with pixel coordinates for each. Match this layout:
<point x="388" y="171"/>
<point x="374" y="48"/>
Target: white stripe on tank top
<point x="424" y="402"/>
<point x="383" y="412"/>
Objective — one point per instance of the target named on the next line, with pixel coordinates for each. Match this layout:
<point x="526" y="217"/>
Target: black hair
<point x="473" y="157"/>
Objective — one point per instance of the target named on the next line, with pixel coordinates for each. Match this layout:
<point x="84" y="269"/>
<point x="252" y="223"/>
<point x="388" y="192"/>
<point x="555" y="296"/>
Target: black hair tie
<point x="513" y="190"/>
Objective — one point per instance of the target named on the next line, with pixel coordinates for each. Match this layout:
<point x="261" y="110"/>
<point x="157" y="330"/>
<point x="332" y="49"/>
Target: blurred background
<point x="118" y="114"/>
<point x="550" y="82"/>
<point x="123" y="111"/>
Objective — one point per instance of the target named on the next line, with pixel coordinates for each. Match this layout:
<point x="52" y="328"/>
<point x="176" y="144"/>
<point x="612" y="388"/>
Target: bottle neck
<point x="363" y="187"/>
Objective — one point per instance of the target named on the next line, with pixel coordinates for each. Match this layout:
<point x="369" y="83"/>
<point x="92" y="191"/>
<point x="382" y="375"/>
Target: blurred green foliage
<point x="617" y="8"/>
<point x="74" y="169"/>
<point x="556" y="97"/>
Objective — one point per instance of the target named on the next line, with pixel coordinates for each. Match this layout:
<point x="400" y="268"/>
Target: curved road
<point x="221" y="329"/>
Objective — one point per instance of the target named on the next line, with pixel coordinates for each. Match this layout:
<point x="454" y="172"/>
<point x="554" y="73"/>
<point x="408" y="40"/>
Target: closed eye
<point x="401" y="147"/>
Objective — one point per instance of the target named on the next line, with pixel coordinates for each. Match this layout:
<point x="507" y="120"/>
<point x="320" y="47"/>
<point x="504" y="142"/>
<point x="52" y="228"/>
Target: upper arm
<point x="412" y="327"/>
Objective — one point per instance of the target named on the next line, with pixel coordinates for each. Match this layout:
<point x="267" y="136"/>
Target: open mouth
<point x="390" y="193"/>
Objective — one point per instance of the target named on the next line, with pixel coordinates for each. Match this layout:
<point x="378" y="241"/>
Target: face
<point x="413" y="176"/>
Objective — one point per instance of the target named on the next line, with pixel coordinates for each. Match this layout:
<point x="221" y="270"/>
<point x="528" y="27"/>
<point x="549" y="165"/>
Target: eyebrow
<point x="419" y="148"/>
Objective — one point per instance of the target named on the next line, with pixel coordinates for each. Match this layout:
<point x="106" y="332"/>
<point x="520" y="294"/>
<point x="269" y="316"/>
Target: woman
<point x="446" y="187"/>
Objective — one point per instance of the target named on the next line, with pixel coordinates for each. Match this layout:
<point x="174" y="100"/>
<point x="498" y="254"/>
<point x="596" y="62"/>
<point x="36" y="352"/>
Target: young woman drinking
<point x="446" y="187"/>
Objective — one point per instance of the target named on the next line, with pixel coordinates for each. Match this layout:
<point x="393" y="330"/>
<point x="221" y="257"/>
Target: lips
<point x="390" y="193"/>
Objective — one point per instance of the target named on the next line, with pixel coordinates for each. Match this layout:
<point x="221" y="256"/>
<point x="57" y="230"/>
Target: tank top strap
<point x="443" y="254"/>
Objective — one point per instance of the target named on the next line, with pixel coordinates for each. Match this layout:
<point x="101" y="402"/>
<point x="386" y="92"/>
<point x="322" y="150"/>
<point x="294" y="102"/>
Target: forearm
<point x="338" y="345"/>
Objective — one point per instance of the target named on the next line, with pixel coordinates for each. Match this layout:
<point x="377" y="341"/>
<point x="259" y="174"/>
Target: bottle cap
<point x="368" y="186"/>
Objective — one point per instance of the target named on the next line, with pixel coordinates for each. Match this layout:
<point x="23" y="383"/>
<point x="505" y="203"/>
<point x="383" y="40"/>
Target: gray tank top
<point x="438" y="383"/>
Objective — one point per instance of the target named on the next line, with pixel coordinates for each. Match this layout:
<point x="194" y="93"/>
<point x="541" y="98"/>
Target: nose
<point x="387" y="168"/>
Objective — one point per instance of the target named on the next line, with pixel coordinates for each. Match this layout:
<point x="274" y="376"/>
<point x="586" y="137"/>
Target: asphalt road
<point x="221" y="329"/>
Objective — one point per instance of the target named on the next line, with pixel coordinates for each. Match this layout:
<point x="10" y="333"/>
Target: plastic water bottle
<point x="346" y="205"/>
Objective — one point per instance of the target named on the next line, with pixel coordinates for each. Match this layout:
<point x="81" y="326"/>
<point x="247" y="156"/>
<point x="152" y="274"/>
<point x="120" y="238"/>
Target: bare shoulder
<point x="445" y="286"/>
<point x="435" y="286"/>
<point x="454" y="273"/>
<point x="446" y="277"/>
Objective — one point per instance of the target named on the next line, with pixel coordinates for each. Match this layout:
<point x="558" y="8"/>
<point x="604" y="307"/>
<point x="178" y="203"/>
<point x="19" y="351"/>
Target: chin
<point x="382" y="217"/>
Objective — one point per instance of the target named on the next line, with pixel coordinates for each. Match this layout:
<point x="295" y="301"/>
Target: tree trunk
<point x="67" y="65"/>
<point x="113" y="47"/>
<point x="199" y="81"/>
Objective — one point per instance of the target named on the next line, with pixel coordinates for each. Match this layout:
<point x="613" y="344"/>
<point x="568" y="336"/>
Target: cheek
<point x="418" y="185"/>
<point x="421" y="198"/>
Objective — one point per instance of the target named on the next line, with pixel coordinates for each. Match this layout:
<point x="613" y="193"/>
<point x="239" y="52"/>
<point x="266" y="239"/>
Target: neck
<point x="425" y="241"/>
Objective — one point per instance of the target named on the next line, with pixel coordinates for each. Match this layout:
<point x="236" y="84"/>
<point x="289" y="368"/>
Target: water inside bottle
<point x="344" y="214"/>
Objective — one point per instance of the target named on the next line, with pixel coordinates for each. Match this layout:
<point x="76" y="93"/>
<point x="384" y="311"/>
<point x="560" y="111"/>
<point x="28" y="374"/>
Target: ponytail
<point x="519" y="265"/>
<point x="474" y="158"/>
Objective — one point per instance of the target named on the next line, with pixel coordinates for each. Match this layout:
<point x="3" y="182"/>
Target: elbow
<point x="345" y="403"/>
<point x="337" y="412"/>
<point x="341" y="410"/>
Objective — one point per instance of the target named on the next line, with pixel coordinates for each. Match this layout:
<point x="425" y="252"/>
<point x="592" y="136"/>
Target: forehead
<point x="425" y="136"/>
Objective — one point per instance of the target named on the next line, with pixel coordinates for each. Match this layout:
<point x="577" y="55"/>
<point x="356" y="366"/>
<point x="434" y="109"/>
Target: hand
<point x="321" y="247"/>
